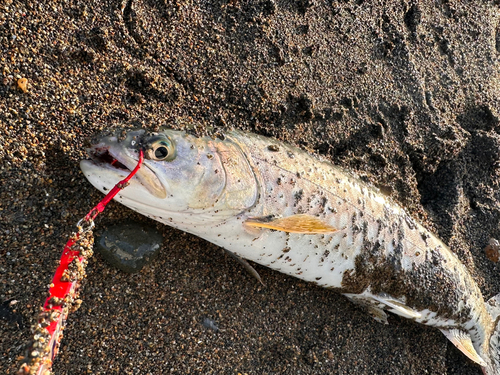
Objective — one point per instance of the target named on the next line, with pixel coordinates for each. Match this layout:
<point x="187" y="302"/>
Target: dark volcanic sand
<point x="405" y="93"/>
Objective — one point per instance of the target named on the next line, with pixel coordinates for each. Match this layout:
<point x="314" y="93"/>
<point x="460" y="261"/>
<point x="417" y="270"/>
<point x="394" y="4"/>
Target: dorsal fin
<point x="300" y="223"/>
<point x="463" y="342"/>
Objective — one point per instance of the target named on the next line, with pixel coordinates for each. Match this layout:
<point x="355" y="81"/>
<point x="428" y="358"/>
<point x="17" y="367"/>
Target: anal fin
<point x="369" y="306"/>
<point x="463" y="342"/>
<point x="377" y="313"/>
<point x="397" y="306"/>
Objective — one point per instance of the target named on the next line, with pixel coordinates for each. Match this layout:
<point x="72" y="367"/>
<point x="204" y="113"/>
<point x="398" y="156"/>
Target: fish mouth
<point x="114" y="159"/>
<point x="102" y="157"/>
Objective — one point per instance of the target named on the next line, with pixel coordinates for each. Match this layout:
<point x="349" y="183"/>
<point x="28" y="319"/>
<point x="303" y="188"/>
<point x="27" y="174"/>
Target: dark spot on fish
<point x="356" y="229"/>
<point x="410" y="222"/>
<point x="286" y="249"/>
<point x="278" y="181"/>
<point x="365" y="229"/>
<point x="290" y="155"/>
<point x="210" y="156"/>
<point x="318" y="278"/>
<point x="273" y="148"/>
<point x="323" y="201"/>
<point x="218" y="134"/>
<point x="298" y="196"/>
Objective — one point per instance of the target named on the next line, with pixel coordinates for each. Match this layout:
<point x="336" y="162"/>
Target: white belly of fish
<point x="318" y="258"/>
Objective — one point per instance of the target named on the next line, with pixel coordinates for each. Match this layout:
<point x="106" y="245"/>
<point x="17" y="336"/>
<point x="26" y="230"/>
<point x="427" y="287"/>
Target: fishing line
<point x="64" y="288"/>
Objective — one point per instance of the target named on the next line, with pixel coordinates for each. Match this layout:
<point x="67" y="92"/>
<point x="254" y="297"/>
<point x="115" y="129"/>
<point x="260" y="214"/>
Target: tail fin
<point x="463" y="342"/>
<point x="493" y="367"/>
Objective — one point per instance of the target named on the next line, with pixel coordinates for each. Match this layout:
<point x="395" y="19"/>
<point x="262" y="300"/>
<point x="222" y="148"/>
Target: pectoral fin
<point x="463" y="342"/>
<point x="300" y="223"/>
<point x="247" y="266"/>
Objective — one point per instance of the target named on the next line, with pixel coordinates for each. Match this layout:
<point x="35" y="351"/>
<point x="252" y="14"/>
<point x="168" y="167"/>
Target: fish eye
<point x="161" y="150"/>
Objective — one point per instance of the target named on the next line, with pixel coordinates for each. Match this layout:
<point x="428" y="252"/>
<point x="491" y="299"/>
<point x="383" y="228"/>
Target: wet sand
<point x="404" y="93"/>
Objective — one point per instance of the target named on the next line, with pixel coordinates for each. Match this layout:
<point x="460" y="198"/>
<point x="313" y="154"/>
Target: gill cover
<point x="241" y="188"/>
<point x="227" y="181"/>
<point x="201" y="173"/>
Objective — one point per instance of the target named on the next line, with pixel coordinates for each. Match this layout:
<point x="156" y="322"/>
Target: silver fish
<point x="285" y="209"/>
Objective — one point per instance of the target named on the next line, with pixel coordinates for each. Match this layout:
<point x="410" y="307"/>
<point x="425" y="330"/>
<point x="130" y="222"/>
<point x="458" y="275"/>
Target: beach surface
<point x="404" y="93"/>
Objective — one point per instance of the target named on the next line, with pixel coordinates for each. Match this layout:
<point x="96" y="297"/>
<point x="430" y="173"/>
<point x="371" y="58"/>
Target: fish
<point x="297" y="213"/>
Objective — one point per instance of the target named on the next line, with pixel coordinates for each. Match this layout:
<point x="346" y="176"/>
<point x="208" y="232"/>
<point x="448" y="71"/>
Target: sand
<point x="404" y="93"/>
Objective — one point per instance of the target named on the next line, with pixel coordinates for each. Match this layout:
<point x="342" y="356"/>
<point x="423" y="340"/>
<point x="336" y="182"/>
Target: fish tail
<point x="493" y="358"/>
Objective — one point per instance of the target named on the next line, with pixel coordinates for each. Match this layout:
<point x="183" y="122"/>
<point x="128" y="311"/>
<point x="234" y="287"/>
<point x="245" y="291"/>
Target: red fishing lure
<point x="64" y="289"/>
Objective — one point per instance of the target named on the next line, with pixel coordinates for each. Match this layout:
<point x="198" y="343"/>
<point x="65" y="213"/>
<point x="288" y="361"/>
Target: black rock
<point x="210" y="324"/>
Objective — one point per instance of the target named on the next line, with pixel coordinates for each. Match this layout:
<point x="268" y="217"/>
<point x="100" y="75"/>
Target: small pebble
<point x="129" y="246"/>
<point x="22" y="83"/>
<point x="210" y="324"/>
<point x="8" y="313"/>
<point x="492" y="250"/>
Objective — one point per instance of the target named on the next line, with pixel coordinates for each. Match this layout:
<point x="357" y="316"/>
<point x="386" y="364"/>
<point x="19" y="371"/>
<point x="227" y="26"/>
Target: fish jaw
<point x="104" y="178"/>
<point x="111" y="160"/>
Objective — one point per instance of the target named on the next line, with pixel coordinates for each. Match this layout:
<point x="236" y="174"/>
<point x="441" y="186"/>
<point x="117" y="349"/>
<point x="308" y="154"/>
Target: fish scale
<point x="362" y="214"/>
<point x="288" y="210"/>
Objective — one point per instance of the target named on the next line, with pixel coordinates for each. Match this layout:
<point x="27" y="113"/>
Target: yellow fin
<point x="300" y="223"/>
<point x="463" y="342"/>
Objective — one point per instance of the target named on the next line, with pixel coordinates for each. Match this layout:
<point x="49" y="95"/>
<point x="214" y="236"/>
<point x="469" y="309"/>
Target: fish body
<point x="285" y="209"/>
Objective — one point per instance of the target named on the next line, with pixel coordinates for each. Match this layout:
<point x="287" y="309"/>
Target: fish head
<point x="181" y="173"/>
